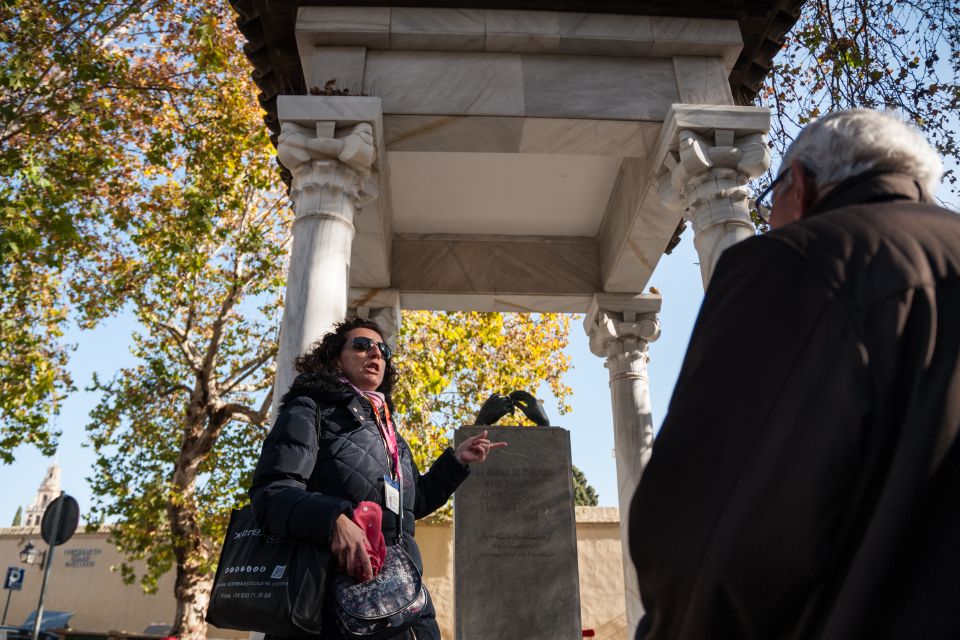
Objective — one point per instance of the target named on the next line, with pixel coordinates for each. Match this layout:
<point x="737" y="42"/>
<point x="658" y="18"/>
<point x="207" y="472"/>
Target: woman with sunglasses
<point x="335" y="444"/>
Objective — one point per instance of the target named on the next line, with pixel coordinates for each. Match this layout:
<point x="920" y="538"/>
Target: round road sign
<point x="69" y="518"/>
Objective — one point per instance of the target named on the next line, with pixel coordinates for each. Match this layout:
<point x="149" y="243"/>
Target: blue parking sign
<point x="14" y="579"/>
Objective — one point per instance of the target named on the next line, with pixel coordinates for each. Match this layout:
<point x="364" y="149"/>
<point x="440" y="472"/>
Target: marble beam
<point x="491" y="134"/>
<point x="499" y="265"/>
<point x="509" y="31"/>
<point x="635" y="230"/>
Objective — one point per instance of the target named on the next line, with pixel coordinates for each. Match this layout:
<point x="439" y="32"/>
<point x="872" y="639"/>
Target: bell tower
<point x="49" y="489"/>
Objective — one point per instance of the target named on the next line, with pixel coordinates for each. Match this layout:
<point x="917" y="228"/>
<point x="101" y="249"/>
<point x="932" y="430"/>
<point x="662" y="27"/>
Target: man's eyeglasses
<point x="764" y="201"/>
<point x="365" y="344"/>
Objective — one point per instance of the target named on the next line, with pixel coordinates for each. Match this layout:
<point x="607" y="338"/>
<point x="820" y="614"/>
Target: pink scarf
<point x="387" y="430"/>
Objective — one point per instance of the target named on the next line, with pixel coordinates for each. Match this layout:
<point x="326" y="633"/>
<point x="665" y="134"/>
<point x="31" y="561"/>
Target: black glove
<point x="496" y="406"/>
<point x="530" y="407"/>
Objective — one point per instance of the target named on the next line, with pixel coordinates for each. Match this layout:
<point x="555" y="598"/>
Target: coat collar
<point x="320" y="387"/>
<point x="328" y="390"/>
<point x="872" y="186"/>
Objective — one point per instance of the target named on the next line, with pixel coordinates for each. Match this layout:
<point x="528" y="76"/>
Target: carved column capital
<point x="705" y="172"/>
<point x="618" y="334"/>
<point x="707" y="180"/>
<point x="328" y="169"/>
<point x="616" y="321"/>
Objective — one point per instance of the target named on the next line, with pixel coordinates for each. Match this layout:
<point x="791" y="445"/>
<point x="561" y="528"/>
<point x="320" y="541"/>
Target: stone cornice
<point x="269" y="28"/>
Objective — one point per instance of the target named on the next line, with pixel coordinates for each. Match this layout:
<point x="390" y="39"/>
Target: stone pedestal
<point x="515" y="547"/>
<point x="620" y="328"/>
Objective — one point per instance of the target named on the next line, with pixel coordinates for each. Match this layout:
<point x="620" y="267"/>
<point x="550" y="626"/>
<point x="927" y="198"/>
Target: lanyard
<point x="386" y="428"/>
<point x="388" y="434"/>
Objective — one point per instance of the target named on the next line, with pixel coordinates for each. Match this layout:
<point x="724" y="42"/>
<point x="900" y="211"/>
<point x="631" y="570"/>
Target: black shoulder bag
<point x="269" y="583"/>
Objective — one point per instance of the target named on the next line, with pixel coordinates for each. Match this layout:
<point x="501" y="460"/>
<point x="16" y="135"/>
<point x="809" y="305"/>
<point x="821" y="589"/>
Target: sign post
<point x="13" y="582"/>
<point x="59" y="523"/>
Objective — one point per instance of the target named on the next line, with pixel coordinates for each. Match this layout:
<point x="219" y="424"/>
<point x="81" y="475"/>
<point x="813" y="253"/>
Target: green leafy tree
<point x="17" y="518"/>
<point x="449" y="363"/>
<point x="197" y="254"/>
<point x="584" y="495"/>
<point x="65" y="171"/>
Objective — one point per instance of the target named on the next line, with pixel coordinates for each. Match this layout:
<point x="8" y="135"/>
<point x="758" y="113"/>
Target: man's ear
<point x="806" y="190"/>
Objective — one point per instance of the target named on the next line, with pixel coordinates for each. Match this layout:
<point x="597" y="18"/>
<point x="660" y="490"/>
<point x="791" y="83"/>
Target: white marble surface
<point x="702" y="80"/>
<point x="334" y="173"/>
<point x="424" y="82"/>
<point x="372" y="245"/>
<point x="344" y="111"/>
<point x="339" y="26"/>
<point x="705" y="119"/>
<point x="511" y="193"/>
<point x="344" y="65"/>
<point x="374" y="220"/>
<point x="495" y="265"/>
<point x="489" y="302"/>
<point x="606" y="34"/>
<point x="495" y="30"/>
<point x="598" y="87"/>
<point x="621" y="333"/>
<point x="522" y="31"/>
<point x="544" y="86"/>
<point x="436" y="29"/>
<point x="696" y="37"/>
<point x="489" y="134"/>
<point x="380" y="305"/>
<point x="459" y="134"/>
<point x="317" y="279"/>
<point x="636" y="229"/>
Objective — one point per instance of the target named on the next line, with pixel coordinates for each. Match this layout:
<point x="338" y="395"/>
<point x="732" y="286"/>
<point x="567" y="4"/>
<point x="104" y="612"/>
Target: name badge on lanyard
<point x="391" y="494"/>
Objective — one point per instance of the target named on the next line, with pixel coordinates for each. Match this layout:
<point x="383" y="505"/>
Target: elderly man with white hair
<point x="806" y="480"/>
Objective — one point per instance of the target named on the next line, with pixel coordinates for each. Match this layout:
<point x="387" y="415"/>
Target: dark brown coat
<point x="806" y="480"/>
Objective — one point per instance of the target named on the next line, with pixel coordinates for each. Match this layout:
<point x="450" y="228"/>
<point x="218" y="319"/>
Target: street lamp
<point x="31" y="554"/>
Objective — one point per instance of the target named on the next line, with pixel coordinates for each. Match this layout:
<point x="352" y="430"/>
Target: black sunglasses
<point x="365" y="344"/>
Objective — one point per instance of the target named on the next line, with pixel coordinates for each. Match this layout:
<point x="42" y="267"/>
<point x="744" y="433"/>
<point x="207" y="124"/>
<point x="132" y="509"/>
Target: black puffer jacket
<point x="302" y="483"/>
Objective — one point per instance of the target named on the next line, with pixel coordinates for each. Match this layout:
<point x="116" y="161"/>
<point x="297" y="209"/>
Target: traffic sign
<point x="14" y="579"/>
<point x="65" y="525"/>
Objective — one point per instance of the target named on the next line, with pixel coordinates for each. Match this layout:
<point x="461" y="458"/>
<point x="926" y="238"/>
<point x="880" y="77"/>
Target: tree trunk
<point x="194" y="580"/>
<point x="193" y="595"/>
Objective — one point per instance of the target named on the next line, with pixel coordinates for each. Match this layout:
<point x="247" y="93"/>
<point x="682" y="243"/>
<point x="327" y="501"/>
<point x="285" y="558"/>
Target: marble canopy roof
<point x="268" y="26"/>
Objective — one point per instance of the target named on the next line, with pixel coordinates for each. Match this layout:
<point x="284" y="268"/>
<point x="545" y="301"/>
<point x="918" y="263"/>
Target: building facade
<point x="83" y="580"/>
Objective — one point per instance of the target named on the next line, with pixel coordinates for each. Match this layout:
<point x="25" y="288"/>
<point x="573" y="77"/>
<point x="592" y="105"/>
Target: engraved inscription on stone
<point x="515" y="539"/>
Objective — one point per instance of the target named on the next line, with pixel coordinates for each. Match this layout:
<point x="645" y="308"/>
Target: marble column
<point x="380" y="305"/>
<point x="332" y="178"/>
<point x="707" y="180"/>
<point x="620" y="327"/>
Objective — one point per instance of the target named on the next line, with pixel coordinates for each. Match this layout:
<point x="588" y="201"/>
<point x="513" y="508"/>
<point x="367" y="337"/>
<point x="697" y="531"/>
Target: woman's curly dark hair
<point x="319" y="359"/>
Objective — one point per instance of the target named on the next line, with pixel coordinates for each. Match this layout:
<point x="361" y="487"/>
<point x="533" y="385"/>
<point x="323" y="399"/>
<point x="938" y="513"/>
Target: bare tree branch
<point x="246" y="369"/>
